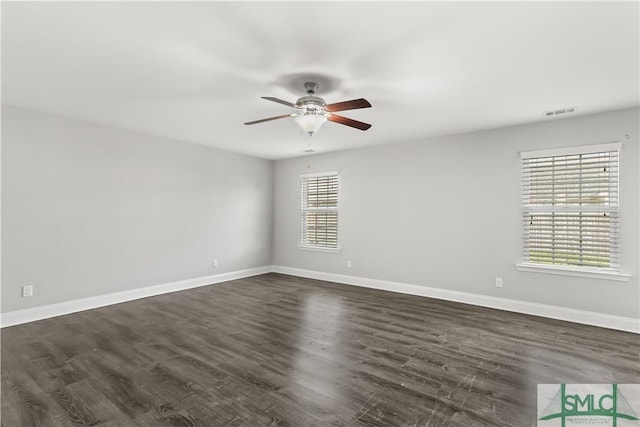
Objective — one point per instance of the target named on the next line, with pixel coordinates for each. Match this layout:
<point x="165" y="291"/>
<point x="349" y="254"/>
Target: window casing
<point x="570" y="208"/>
<point x="319" y="211"/>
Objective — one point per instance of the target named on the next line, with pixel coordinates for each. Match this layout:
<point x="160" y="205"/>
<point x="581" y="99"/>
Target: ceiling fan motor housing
<point x="311" y="105"/>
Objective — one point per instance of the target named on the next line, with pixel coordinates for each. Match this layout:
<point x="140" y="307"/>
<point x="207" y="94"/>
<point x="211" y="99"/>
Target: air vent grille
<point x="558" y="112"/>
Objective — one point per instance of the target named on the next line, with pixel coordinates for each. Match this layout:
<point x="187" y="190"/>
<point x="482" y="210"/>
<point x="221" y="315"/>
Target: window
<point x="319" y="213"/>
<point x="570" y="208"/>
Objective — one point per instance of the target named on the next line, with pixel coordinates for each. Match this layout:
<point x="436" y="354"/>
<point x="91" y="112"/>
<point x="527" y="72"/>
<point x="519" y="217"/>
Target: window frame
<point x="611" y="273"/>
<point x="303" y="202"/>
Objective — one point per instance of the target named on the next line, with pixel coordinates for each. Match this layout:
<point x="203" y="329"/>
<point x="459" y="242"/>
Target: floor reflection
<point x="321" y="351"/>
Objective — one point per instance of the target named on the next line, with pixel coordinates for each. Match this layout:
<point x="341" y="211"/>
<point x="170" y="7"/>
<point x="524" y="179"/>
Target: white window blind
<point x="571" y="207"/>
<point x="319" y="213"/>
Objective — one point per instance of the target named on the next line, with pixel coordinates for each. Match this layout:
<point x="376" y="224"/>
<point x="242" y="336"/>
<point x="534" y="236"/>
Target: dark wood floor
<point x="286" y="351"/>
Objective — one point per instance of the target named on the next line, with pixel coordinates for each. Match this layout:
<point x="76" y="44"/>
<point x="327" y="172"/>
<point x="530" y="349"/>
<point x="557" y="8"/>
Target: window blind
<point x="319" y="213"/>
<point x="571" y="208"/>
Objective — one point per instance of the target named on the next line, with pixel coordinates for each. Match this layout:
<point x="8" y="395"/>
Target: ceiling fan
<point x="312" y="111"/>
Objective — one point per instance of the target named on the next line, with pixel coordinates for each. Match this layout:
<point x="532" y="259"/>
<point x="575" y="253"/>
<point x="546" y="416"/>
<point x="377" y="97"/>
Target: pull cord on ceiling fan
<point x="312" y="111"/>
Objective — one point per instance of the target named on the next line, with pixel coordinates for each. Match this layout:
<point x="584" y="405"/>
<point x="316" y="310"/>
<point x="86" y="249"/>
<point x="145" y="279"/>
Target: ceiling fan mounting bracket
<point x="311" y="87"/>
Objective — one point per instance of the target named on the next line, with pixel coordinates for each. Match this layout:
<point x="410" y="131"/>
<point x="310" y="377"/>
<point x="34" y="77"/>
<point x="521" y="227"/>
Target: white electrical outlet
<point x="498" y="282"/>
<point x="348" y="264"/>
<point x="27" y="291"/>
<point x="214" y="263"/>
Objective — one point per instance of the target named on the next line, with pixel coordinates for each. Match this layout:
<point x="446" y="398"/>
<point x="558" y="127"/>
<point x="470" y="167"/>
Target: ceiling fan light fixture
<point x="310" y="122"/>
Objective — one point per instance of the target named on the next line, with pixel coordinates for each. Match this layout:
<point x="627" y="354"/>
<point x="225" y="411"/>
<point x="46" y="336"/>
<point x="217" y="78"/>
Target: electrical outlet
<point x="348" y="264"/>
<point x="27" y="291"/>
<point x="214" y="264"/>
<point x="498" y="282"/>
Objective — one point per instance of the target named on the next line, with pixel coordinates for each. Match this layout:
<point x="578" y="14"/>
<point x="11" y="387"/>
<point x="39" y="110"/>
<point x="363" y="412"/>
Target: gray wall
<point x="89" y="210"/>
<point x="445" y="213"/>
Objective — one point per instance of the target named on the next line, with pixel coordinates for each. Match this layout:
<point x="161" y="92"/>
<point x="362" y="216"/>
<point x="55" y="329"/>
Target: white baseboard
<point x="67" y="307"/>
<point x="554" y="312"/>
<point x="627" y="324"/>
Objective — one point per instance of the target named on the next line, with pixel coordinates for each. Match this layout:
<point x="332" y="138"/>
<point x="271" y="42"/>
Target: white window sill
<point x="318" y="249"/>
<point x="569" y="271"/>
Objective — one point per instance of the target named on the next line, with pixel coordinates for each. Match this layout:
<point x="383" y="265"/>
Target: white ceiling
<point x="195" y="71"/>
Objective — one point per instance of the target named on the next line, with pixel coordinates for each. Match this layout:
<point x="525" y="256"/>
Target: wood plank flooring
<point x="277" y="350"/>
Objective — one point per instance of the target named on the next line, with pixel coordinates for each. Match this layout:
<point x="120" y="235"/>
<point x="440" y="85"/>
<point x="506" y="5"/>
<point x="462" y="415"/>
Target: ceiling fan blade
<point x="279" y="101"/>
<point x="349" y="122"/>
<point x="348" y="105"/>
<point x="269" y="119"/>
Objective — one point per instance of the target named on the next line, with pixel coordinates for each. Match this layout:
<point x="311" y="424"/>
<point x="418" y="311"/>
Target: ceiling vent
<point x="561" y="111"/>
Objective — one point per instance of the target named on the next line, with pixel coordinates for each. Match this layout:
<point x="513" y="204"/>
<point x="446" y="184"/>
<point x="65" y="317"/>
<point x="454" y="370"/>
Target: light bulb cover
<point x="310" y="123"/>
